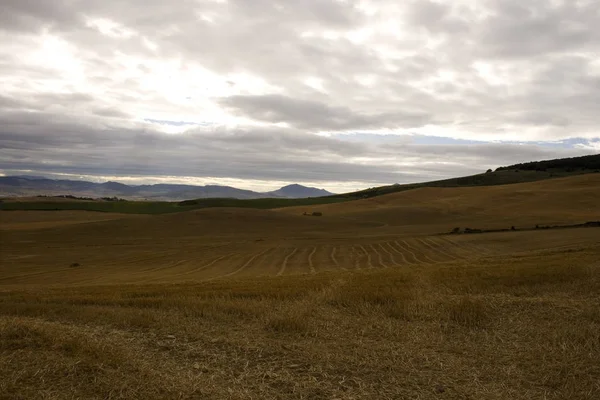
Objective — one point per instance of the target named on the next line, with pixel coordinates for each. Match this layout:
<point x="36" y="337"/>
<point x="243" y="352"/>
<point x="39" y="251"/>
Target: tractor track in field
<point x="392" y="258"/>
<point x="131" y="260"/>
<point x="424" y="257"/>
<point x="285" y="261"/>
<point x="466" y="251"/>
<point x="311" y="265"/>
<point x="379" y="257"/>
<point x="550" y="250"/>
<point x="468" y="247"/>
<point x="34" y="274"/>
<point x="369" y="262"/>
<point x="205" y="266"/>
<point x="334" y="260"/>
<point x="450" y="251"/>
<point x="175" y="264"/>
<point x="192" y="271"/>
<point x="243" y="267"/>
<point x="444" y="256"/>
<point x="355" y="256"/>
<point x="409" y="251"/>
<point x="399" y="253"/>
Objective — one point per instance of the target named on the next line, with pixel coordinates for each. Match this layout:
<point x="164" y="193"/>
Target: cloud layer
<point x="268" y="90"/>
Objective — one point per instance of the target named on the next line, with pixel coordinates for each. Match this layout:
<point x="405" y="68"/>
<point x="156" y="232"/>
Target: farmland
<point x="374" y="299"/>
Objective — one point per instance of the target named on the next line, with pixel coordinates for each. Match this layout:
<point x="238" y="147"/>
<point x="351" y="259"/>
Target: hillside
<point x="574" y="164"/>
<point x="561" y="201"/>
<point x="518" y="173"/>
<point x="289" y="196"/>
<point x="554" y="201"/>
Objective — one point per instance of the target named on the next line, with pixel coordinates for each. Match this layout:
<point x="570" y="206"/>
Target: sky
<point x="338" y="94"/>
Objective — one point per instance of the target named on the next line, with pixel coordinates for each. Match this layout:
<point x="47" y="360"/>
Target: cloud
<point x="528" y="29"/>
<point x="33" y="16"/>
<point x="593" y="145"/>
<point x="253" y="89"/>
<point x="315" y="115"/>
<point x="281" y="154"/>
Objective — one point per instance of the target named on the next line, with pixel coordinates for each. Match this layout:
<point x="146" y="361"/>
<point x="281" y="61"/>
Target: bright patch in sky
<point x="490" y="73"/>
<point x="110" y="28"/>
<point x="276" y="91"/>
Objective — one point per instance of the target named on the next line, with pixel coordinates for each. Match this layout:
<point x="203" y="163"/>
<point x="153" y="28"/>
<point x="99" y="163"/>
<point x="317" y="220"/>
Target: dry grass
<point x="468" y="312"/>
<point x="524" y="328"/>
<point x="190" y="305"/>
<point x="429" y="210"/>
<point x="292" y="322"/>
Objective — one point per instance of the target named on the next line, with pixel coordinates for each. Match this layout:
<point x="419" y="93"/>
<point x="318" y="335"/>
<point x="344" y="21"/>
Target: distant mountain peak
<point x="116" y="186"/>
<point x="294" y="186"/>
<point x="295" y="190"/>
<point x="112" y="183"/>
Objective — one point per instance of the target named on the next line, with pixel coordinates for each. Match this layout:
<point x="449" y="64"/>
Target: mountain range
<point x="18" y="186"/>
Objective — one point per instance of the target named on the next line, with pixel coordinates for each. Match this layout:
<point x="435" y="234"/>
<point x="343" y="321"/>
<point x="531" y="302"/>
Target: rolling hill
<point x="296" y="195"/>
<point x="396" y="230"/>
<point x="33" y="186"/>
<point x="554" y="201"/>
<point x="517" y="173"/>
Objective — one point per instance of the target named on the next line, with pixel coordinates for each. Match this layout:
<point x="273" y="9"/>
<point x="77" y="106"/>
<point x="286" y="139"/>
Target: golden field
<point x="369" y="301"/>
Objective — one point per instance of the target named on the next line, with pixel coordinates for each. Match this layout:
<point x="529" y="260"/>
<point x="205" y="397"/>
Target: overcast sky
<point x="257" y="94"/>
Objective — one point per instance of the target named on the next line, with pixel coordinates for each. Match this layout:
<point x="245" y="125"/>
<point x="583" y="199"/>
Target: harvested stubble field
<point x="256" y="304"/>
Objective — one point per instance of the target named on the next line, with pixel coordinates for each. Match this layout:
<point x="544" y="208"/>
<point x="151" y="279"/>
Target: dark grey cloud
<point x="79" y="77"/>
<point x="540" y="27"/>
<point x="59" y="146"/>
<point x="10" y="103"/>
<point x="308" y="114"/>
<point x="109" y="112"/>
<point x="35" y="16"/>
<point x="246" y="154"/>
